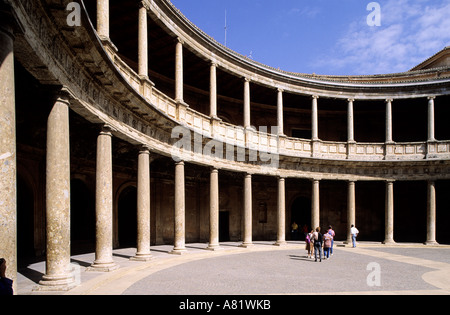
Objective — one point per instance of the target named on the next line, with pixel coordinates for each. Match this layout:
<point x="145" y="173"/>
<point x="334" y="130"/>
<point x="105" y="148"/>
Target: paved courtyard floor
<point x="264" y="269"/>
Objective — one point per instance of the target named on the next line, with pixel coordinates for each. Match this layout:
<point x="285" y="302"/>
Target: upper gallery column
<point x="104" y="203"/>
<point x="103" y="19"/>
<point x="143" y="206"/>
<point x="315" y="118"/>
<point x="280" y="116"/>
<point x="431" y="135"/>
<point x="389" y="138"/>
<point x="58" y="274"/>
<point x="247" y="119"/>
<point x="8" y="166"/>
<point x="350" y="122"/>
<point x="213" y="91"/>
<point x="143" y="40"/>
<point x="179" y="93"/>
<point x="180" y="211"/>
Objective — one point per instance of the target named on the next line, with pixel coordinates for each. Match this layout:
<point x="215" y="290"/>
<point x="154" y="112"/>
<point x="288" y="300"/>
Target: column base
<point x="102" y="267"/>
<point x="60" y="283"/>
<point x="179" y="251"/>
<point x="142" y="257"/>
<point x="280" y="243"/>
<point x="214" y="247"/>
<point x="389" y="242"/>
<point x="431" y="243"/>
<point x="246" y="245"/>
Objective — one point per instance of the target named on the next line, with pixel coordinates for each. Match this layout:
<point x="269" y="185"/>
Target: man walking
<point x="354" y="232"/>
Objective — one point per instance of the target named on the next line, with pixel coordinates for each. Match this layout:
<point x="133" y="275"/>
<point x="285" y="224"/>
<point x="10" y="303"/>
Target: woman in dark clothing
<point x="318" y="241"/>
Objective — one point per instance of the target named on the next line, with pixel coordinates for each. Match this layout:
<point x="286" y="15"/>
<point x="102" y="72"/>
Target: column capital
<point x="431" y="98"/>
<point x="179" y="40"/>
<point x="144" y="4"/>
<point x="280" y="90"/>
<point x="107" y="130"/>
<point x="144" y="149"/>
<point x="350" y="100"/>
<point x="315" y="97"/>
<point x="388" y="100"/>
<point x="246" y="79"/>
<point x="62" y="94"/>
<point x="9" y="24"/>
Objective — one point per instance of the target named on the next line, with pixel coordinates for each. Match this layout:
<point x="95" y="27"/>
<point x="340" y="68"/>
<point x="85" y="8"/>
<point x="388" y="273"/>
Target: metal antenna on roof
<point x="226" y="28"/>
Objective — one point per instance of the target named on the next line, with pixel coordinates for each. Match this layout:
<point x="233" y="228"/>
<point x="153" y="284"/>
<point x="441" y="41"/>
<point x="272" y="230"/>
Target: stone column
<point x="350" y="122"/>
<point x="281" y="235"/>
<point x="431" y="214"/>
<point x="351" y="209"/>
<point x="389" y="138"/>
<point x="143" y="40"/>
<point x="8" y="165"/>
<point x="143" y="207"/>
<point x="58" y="274"/>
<point x="431" y="136"/>
<point x="214" y="211"/>
<point x="213" y="91"/>
<point x="179" y="92"/>
<point x="389" y="215"/>
<point x="103" y="19"/>
<point x="280" y="114"/>
<point x="180" y="211"/>
<point x="104" y="204"/>
<point x="247" y="119"/>
<point x="315" y="205"/>
<point x="315" y="118"/>
<point x="248" y="209"/>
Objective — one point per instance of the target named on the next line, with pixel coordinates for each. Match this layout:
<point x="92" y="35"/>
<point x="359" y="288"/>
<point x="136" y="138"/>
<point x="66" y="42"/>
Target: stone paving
<point x="263" y="269"/>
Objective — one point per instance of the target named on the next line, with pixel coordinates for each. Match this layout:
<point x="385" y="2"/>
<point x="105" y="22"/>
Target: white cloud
<point x="306" y="11"/>
<point x="411" y="31"/>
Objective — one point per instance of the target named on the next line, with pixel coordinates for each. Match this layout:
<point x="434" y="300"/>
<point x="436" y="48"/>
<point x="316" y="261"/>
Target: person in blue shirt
<point x="6" y="285"/>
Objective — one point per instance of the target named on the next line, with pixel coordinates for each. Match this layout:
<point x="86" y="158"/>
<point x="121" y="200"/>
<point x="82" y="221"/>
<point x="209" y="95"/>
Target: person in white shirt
<point x="354" y="232"/>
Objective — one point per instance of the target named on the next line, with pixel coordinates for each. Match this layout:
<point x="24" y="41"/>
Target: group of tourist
<point x="316" y="241"/>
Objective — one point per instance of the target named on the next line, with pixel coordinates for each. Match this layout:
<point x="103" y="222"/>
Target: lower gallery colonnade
<point x="112" y="123"/>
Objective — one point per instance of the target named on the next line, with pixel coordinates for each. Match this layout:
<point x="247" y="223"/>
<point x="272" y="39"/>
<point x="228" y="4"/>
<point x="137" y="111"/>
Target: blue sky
<point x="326" y="36"/>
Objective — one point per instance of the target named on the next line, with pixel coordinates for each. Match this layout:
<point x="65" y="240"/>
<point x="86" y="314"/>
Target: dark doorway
<point x="224" y="226"/>
<point x="301" y="215"/>
<point x="82" y="211"/>
<point x="128" y="217"/>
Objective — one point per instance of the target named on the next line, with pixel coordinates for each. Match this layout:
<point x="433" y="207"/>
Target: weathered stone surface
<point x="8" y="166"/>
